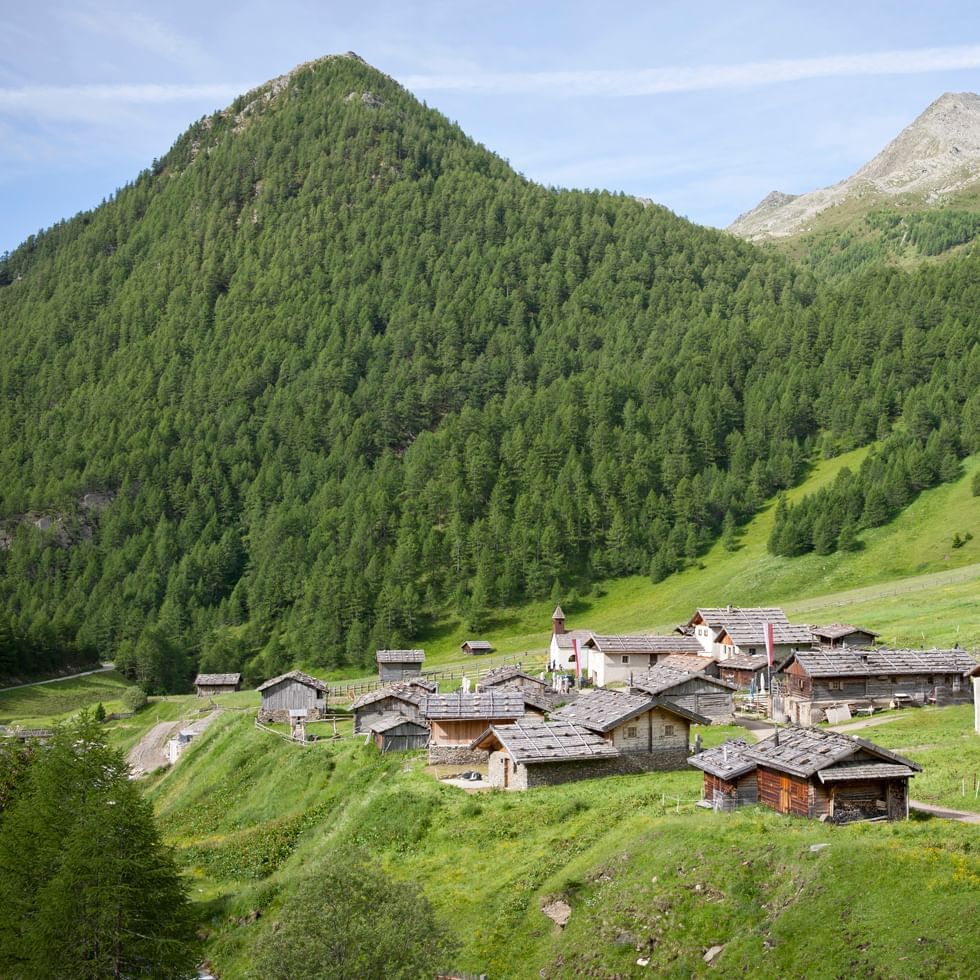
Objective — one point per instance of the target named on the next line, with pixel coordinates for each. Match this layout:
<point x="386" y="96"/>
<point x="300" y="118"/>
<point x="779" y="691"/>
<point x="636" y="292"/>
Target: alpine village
<point x="436" y="574"/>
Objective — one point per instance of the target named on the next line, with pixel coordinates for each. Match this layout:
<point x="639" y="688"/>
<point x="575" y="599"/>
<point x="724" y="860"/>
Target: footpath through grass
<point x="646" y="874"/>
<point x="40" y="705"/>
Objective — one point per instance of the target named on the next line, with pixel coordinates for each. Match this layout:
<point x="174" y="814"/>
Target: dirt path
<point x="55" y="680"/>
<point x="853" y="726"/>
<point x="963" y="816"/>
<point x="150" y="752"/>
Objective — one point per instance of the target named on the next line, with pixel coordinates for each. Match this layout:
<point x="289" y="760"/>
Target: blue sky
<point x="702" y="107"/>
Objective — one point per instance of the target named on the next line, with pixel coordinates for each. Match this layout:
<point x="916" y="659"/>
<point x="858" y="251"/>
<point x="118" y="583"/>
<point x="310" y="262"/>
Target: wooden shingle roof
<point x="690" y="663"/>
<point x="612" y="645"/>
<point x="216" y="680"/>
<point x="836" y="631"/>
<point x="399" y="656"/>
<point x="750" y="633"/>
<point x="564" y="640"/>
<point x="726" y="761"/>
<point x="867" y="770"/>
<point x="660" y="679"/>
<point x="827" y="661"/>
<point x="805" y="751"/>
<point x="743" y="661"/>
<point x="500" y="675"/>
<point x="553" y="741"/>
<point x="498" y="703"/>
<point x="400" y="692"/>
<point x="294" y="675"/>
<point x="477" y="644"/>
<point x="601" y="709"/>
<point x="726" y="616"/>
<point x="386" y="722"/>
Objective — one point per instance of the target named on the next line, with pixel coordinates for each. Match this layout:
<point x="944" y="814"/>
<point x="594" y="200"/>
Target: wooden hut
<point x="399" y="699"/>
<point x="525" y="754"/>
<point x="843" y="635"/>
<point x="817" y="773"/>
<point x="396" y="733"/>
<point x="811" y="681"/>
<point x="708" y="696"/>
<point x="746" y="672"/>
<point x="399" y="665"/>
<point x="653" y="733"/>
<point x="512" y="677"/>
<point x="474" y="647"/>
<point x="456" y="719"/>
<point x="289" y="692"/>
<point x="207" y="685"/>
<point x="729" y="775"/>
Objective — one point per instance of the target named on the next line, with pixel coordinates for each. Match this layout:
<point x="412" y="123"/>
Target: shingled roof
<point x="726" y="761"/>
<point x="827" y="661"/>
<point x="477" y="644"/>
<point x="500" y="675"/>
<point x="564" y="640"/>
<point x="661" y="678"/>
<point x="601" y="709"/>
<point x="399" y="656"/>
<point x="553" y="741"/>
<point x="836" y="631"/>
<point x="294" y="675"/>
<point x="746" y="633"/>
<point x="216" y="680"/>
<point x="805" y="751"/>
<point x="690" y="663"/>
<point x="724" y="616"/>
<point x="391" y="720"/>
<point x="502" y="704"/>
<point x="744" y="661"/>
<point x="656" y="645"/>
<point x="400" y="692"/>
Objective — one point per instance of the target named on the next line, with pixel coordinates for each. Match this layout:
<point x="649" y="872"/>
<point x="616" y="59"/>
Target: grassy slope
<point x="43" y="704"/>
<point x="645" y="876"/>
<point x="912" y="585"/>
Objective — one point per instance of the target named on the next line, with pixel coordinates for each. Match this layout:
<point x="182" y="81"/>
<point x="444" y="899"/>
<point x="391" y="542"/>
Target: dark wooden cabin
<point x="396" y="733"/>
<point x="399" y="699"/>
<point x="289" y="692"/>
<point x="476" y="647"/>
<point x="729" y="775"/>
<point x="207" y="685"/>
<point x="708" y="696"/>
<point x="456" y="719"/>
<point x="399" y="665"/>
<point x="843" y="635"/>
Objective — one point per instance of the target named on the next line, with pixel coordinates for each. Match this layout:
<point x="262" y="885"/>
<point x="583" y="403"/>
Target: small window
<point x="631" y="732"/>
<point x="626" y="660"/>
<point x="800" y="682"/>
<point x="836" y="685"/>
<point x="929" y="680"/>
<point x="751" y="651"/>
<point x="668" y="730"/>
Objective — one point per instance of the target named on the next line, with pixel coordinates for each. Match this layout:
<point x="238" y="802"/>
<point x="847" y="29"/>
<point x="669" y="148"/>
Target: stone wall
<point x="555" y="773"/>
<point x="266" y="716"/>
<point x="455" y="755"/>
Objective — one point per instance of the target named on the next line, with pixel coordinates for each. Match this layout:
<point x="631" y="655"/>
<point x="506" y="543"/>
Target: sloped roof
<point x="216" y="680"/>
<point x="726" y="761"/>
<point x="401" y="692"/>
<point x="553" y="741"/>
<point x="386" y="722"/>
<point x="825" y="661"/>
<point x="498" y="703"/>
<point x="602" y="709"/>
<point x="644" y="644"/>
<point x="690" y="663"/>
<point x="743" y="661"/>
<point x="564" y="640"/>
<point x="837" y="630"/>
<point x="399" y="656"/>
<point x="294" y="675"/>
<point x="477" y="644"/>
<point x="558" y="614"/>
<point x="726" y="616"/>
<point x="748" y="633"/>
<point x="805" y="751"/>
<point x="424" y="683"/>
<point x="869" y="770"/>
<point x="500" y="675"/>
<point x="661" y="678"/>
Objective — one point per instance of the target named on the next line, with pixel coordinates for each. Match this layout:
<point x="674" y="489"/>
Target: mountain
<point x="330" y="373"/>
<point x="931" y="161"/>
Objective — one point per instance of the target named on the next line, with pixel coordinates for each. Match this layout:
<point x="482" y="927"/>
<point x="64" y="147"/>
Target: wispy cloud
<point x="658" y="81"/>
<point x="99" y="102"/>
<point x="137" y="31"/>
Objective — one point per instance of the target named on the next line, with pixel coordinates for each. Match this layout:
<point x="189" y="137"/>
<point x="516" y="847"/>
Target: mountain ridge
<point x="935" y="156"/>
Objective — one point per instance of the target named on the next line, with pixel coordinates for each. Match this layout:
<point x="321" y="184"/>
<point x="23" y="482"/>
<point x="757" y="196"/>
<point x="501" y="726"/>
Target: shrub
<point x="134" y="698"/>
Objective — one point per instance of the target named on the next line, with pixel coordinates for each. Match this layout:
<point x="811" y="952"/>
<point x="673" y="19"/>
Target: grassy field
<point x="39" y="705"/>
<point x="645" y="873"/>
<point x="907" y="581"/>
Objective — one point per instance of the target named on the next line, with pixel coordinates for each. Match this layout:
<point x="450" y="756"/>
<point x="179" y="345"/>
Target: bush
<point x="99" y="712"/>
<point x="134" y="698"/>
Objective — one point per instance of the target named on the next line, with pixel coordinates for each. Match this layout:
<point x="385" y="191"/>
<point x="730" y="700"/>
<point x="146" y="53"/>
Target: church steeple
<point x="557" y="621"/>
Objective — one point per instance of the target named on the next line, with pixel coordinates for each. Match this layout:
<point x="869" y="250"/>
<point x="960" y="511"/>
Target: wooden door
<point x="785" y="784"/>
<point x="506" y="771"/>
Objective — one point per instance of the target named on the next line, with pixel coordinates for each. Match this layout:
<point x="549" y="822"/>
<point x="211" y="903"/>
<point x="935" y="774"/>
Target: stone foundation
<point x="456" y="755"/>
<point x="555" y="773"/>
<point x="282" y="714"/>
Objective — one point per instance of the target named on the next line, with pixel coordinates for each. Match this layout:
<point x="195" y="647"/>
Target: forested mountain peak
<point x="935" y="156"/>
<point x="339" y="372"/>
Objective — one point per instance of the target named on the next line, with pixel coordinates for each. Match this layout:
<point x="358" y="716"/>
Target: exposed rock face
<point x="938" y="154"/>
<point x="559" y="911"/>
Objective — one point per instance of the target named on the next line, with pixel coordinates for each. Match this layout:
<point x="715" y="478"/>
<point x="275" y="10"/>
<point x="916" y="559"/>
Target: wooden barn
<point x="456" y="719"/>
<point x="615" y="659"/>
<point x="708" y="696"/>
<point x="292" y="691"/>
<point x="476" y="647"/>
<point x="729" y="775"/>
<point x="396" y="733"/>
<point x="746" y="672"/>
<point x="526" y="754"/>
<point x="399" y="665"/>
<point x="512" y="677"/>
<point x="206" y="685"/>
<point x="812" y="681"/>
<point x="651" y="734"/>
<point x="811" y="772"/>
<point x="843" y="635"/>
<point x="399" y="699"/>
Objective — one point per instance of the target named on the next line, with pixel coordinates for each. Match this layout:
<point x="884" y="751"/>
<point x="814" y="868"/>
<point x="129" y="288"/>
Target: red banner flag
<point x="578" y="662"/>
<point x="769" y="642"/>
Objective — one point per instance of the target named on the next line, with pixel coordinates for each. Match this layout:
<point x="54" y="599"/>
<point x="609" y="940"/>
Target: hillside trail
<point x="150" y="752"/>
<point x="945" y="813"/>
<point x="55" y="680"/>
<point x="853" y="726"/>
